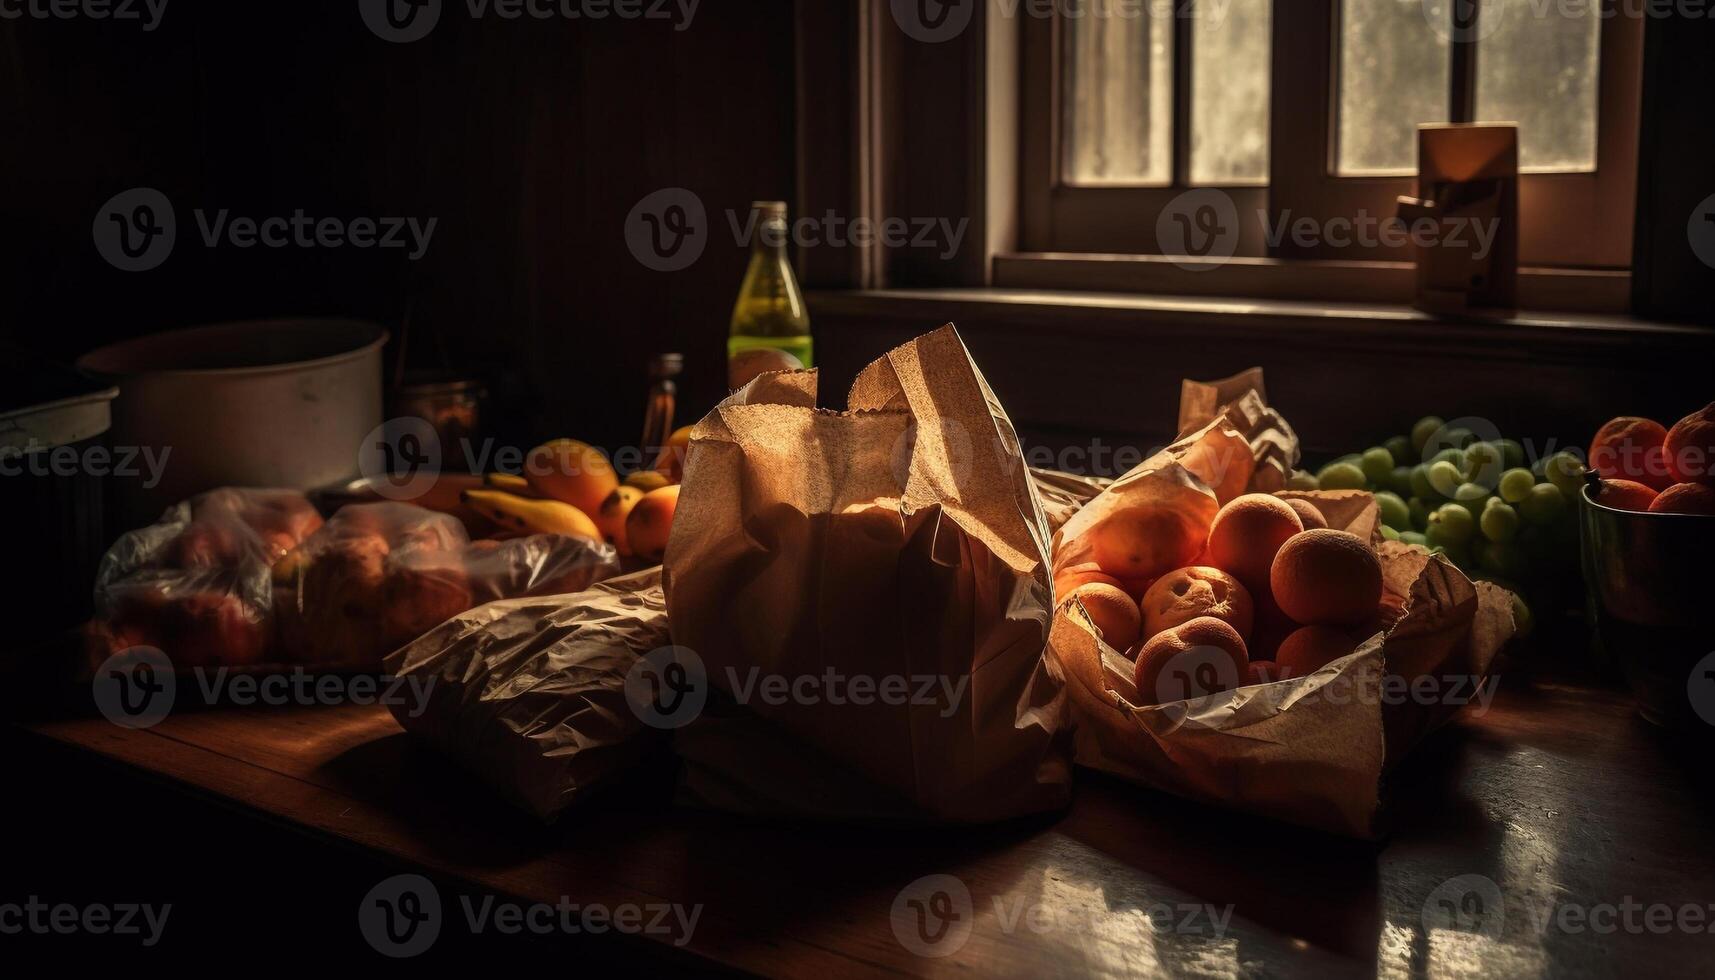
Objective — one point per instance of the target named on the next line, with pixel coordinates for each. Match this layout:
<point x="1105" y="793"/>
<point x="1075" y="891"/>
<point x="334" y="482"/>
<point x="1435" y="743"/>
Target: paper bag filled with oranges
<point x="868" y="588"/>
<point x="1236" y="643"/>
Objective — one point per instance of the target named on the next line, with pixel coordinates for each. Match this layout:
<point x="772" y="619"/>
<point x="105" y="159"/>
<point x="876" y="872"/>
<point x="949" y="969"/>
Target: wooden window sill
<point x="1358" y="281"/>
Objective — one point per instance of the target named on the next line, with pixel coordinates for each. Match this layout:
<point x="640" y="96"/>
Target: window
<point x="1309" y="109"/>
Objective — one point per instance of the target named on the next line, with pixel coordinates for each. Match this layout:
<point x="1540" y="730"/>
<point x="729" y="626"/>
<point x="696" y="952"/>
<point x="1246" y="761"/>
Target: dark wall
<point x="1676" y="181"/>
<point x="529" y="141"/>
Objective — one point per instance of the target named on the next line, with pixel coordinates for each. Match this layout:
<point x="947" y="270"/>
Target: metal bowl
<point x="1650" y="585"/>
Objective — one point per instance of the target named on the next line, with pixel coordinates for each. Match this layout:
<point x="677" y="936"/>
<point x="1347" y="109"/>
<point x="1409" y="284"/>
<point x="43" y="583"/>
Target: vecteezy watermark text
<point x="148" y="13"/>
<point x="36" y="459"/>
<point x="935" y="915"/>
<point x="402" y="917"/>
<point x="139" y="686"/>
<point x="404" y="21"/>
<point x="669" y="687"/>
<point x="135" y="231"/>
<point x="35" y="916"/>
<point x="668" y="230"/>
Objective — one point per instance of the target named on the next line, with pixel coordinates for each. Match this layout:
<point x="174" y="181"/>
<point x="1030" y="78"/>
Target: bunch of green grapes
<point x="1479" y="503"/>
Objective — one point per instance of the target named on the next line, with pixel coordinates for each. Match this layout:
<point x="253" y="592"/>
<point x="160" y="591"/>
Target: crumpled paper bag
<point x="901" y="538"/>
<point x="529" y="694"/>
<point x="1310" y="750"/>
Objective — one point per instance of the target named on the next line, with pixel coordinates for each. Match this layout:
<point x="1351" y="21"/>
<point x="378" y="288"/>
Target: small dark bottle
<point x="663" y="393"/>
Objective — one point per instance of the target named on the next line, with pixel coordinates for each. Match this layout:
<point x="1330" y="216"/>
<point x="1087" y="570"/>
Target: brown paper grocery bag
<point x="1311" y="750"/>
<point x="900" y="539"/>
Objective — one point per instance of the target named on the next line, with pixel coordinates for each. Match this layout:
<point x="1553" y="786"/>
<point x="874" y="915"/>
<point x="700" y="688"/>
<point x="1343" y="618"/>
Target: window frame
<point x="1556" y="209"/>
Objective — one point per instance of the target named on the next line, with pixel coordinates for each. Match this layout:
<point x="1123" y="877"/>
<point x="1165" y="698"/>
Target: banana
<point x="511" y="484"/>
<point x="516" y="513"/>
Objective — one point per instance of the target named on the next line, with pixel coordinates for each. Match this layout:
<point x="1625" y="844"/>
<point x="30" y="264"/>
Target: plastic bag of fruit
<point x="872" y="586"/>
<point x="377" y="576"/>
<point x="1255" y="648"/>
<point x="197" y="583"/>
<point x="255" y="578"/>
<point x="530" y="694"/>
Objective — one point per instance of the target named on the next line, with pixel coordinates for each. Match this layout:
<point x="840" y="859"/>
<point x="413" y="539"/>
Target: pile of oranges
<point x="1645" y="466"/>
<point x="1269" y="592"/>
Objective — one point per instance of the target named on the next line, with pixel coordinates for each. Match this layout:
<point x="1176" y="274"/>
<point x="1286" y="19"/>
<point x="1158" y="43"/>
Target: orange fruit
<point x="1141" y="543"/>
<point x="1271" y="629"/>
<point x="1246" y="535"/>
<point x="1311" y="648"/>
<point x="1187" y="593"/>
<point x="1632" y="448"/>
<point x="1690" y="448"/>
<point x="647" y="480"/>
<point x="1112" y="612"/>
<point x="610" y="518"/>
<point x="1307" y="512"/>
<point x="650" y="522"/>
<point x="1685" y="498"/>
<point x="1203" y="656"/>
<point x="1327" y="578"/>
<point x="1625" y="495"/>
<point x="671" y="462"/>
<point x="571" y="472"/>
<point x="1073" y="576"/>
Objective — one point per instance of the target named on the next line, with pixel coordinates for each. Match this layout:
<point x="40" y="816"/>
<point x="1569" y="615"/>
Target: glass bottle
<point x="770" y="326"/>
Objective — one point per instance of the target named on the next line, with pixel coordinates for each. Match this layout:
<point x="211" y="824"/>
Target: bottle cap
<point x="666" y="366"/>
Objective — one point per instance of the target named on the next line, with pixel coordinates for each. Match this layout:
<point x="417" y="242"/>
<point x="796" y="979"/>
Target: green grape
<point x="1566" y="471"/>
<point x="1502" y="558"/>
<point x="1472" y="497"/>
<point x="1512" y="454"/>
<point x="1422" y="431"/>
<point x="1524" y="622"/>
<point x="1483" y="463"/>
<point x="1395" y="513"/>
<point x="1420" y="485"/>
<point x="1544" y="505"/>
<point x="1352" y="458"/>
<point x="1419" y="512"/>
<point x="1499" y="521"/>
<point x="1413" y="537"/>
<point x="1377" y="464"/>
<point x="1399" y="447"/>
<point x="1444" y="478"/>
<point x="1451" y="525"/>
<point x="1399" y="481"/>
<point x="1341" y="476"/>
<point x="1539" y="469"/>
<point x="1516" y="484"/>
<point x="1302" y="480"/>
<point x="1389" y="533"/>
<point x="1460" y="437"/>
<point x="1452" y="455"/>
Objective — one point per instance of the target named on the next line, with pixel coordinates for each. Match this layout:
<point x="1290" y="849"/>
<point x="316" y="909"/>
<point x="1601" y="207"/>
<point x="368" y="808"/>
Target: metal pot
<point x="274" y="403"/>
<point x="1649" y="583"/>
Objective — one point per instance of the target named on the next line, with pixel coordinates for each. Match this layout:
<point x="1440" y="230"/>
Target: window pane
<point x="1119" y="95"/>
<point x="1538" y="69"/>
<point x="1395" y="72"/>
<point x="1229" y="91"/>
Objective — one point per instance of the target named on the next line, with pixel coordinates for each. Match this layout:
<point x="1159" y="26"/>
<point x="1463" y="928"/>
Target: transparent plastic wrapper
<point x="530" y="694"/>
<point x="900" y="542"/>
<point x="256" y="579"/>
<point x="197" y="584"/>
<point x="1311" y="750"/>
<point x="377" y="576"/>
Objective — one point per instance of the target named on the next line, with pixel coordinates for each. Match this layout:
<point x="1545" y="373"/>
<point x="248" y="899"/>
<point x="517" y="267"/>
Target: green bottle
<point x="770" y="326"/>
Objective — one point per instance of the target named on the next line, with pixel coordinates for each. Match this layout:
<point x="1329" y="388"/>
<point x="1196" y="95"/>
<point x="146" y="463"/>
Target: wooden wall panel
<point x="529" y="141"/>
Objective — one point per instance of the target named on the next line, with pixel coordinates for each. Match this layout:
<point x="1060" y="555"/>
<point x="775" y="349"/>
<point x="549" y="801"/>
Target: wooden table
<point x="1558" y="796"/>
